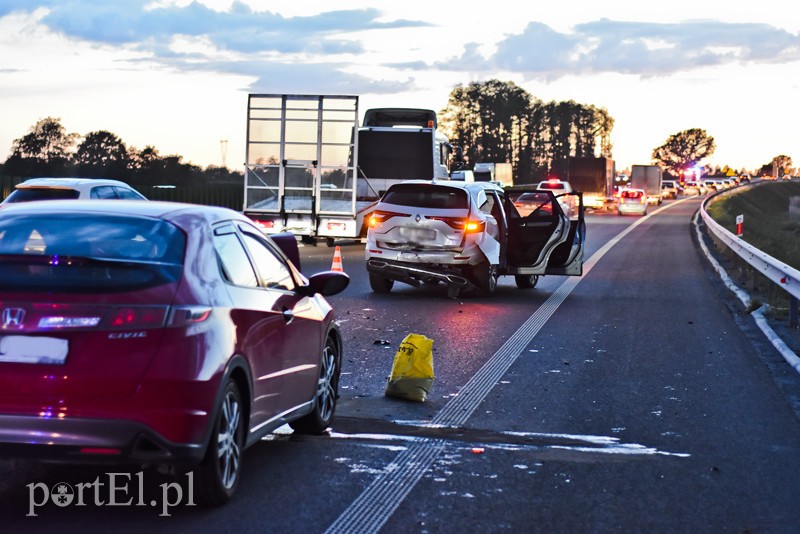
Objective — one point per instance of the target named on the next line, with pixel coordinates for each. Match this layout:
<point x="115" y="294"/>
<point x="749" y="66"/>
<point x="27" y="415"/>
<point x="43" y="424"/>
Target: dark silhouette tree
<point x="44" y="151"/>
<point x="684" y="150"/>
<point x="103" y="155"/>
<point x="497" y="121"/>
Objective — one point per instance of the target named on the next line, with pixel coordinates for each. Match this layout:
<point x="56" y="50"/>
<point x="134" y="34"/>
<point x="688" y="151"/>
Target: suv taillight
<point x="379" y="217"/>
<point x="461" y="224"/>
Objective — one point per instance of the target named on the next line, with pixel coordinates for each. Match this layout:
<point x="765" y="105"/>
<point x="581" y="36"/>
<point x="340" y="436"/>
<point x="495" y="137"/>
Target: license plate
<point x="33" y="349"/>
<point x="417" y="234"/>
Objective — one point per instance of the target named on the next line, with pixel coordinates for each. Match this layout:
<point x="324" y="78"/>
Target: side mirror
<point x="326" y="283"/>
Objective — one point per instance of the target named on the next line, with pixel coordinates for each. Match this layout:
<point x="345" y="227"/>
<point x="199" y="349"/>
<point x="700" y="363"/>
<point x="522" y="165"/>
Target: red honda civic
<point x="157" y="332"/>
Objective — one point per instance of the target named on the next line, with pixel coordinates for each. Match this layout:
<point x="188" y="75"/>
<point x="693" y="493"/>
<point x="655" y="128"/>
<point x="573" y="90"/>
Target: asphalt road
<point x="632" y="399"/>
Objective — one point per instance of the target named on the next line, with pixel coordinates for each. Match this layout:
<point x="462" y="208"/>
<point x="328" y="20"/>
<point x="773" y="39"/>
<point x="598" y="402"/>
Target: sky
<point x="175" y="74"/>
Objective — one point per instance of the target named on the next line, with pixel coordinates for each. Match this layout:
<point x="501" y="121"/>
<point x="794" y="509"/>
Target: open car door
<point x="546" y="233"/>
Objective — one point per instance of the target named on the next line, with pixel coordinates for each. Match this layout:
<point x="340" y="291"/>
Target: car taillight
<point x="187" y="315"/>
<point x="452" y="222"/>
<point x="379" y="217"/>
<point x="474" y="227"/>
<point x="461" y="224"/>
<point x="643" y="199"/>
<point x="137" y="317"/>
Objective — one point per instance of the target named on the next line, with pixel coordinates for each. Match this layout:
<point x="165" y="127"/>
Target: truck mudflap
<point x="416" y="275"/>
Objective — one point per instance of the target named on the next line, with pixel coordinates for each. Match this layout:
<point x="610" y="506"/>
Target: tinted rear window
<point x="71" y="252"/>
<point x="426" y="196"/>
<point x="551" y="185"/>
<point x="40" y="193"/>
<point x="631" y="194"/>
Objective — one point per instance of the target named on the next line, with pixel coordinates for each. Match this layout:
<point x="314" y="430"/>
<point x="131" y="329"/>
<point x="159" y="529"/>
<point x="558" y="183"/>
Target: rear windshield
<point x="631" y="194"/>
<point x="551" y="185"/>
<point x="426" y="196"/>
<point x="41" y="193"/>
<point x="82" y="252"/>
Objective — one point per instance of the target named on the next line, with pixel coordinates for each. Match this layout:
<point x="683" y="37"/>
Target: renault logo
<point x="12" y="317"/>
<point x="417" y="218"/>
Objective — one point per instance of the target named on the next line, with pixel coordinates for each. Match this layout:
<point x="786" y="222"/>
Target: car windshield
<point x="87" y="252"/>
<point x="28" y="194"/>
<point x="426" y="196"/>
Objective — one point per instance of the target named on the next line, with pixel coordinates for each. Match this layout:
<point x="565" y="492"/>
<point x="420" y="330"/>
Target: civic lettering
<point x="126" y="335"/>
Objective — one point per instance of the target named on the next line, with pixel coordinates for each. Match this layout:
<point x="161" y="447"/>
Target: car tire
<point x="220" y="470"/>
<point x="326" y="394"/>
<point x="526" y="281"/>
<point x="486" y="279"/>
<point x="379" y="284"/>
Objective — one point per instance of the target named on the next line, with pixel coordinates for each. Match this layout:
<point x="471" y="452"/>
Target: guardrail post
<point x="792" y="312"/>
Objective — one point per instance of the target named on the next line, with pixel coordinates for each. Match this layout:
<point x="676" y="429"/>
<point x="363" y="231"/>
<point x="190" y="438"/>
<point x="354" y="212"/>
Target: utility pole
<point x="223" y="145"/>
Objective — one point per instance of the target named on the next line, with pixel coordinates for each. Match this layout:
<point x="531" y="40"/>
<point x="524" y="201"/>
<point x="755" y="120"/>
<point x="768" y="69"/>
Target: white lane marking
<point x="376" y="504"/>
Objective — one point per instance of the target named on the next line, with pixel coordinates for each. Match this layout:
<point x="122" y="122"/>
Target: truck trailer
<point x="312" y="170"/>
<point x="648" y="177"/>
<point x="594" y="177"/>
<point x="498" y="173"/>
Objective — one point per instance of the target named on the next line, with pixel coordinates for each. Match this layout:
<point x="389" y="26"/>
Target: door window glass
<point x="234" y="261"/>
<point x="273" y="271"/>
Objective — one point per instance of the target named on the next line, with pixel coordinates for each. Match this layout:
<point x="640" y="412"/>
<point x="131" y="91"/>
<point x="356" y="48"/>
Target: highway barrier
<point x="782" y="275"/>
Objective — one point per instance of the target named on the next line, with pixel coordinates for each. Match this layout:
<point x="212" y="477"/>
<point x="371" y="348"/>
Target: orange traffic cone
<point x="337" y="260"/>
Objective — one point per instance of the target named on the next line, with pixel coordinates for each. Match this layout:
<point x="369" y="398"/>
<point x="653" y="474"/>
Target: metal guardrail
<point x="783" y="275"/>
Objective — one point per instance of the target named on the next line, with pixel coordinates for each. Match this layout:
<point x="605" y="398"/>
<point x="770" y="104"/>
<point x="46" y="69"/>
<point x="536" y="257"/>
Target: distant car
<point x="693" y="188"/>
<point x="158" y="333"/>
<point x="712" y="186"/>
<point x="72" y="189"/>
<point x="632" y="201"/>
<point x="556" y="186"/>
<point x="559" y="187"/>
<point x="669" y="189"/>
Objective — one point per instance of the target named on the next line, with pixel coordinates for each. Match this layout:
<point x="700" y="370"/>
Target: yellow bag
<point x="412" y="370"/>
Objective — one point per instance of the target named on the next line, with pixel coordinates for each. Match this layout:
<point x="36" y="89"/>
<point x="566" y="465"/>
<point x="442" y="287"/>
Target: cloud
<point x="298" y="53"/>
<point x="324" y="47"/>
<point x="240" y="29"/>
<point x="646" y="49"/>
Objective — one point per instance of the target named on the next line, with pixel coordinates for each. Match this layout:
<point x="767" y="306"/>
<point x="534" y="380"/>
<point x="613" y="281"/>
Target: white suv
<point x="465" y="235"/>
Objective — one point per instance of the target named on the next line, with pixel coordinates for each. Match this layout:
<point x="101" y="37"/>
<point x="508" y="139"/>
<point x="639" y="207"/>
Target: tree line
<point x="496" y="121"/>
<point x="491" y="121"/>
<point x="49" y="150"/>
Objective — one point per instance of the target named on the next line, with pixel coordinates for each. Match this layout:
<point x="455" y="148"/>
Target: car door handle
<point x="288" y="315"/>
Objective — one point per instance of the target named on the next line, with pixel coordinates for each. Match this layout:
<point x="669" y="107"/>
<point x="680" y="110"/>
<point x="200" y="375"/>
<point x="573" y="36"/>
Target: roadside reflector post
<point x="739" y="225"/>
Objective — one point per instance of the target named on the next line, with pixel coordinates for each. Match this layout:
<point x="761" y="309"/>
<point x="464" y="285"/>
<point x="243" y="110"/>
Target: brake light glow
<point x="100" y="450"/>
<point x="461" y="224"/>
<point x="265" y="223"/>
<point x="379" y="217"/>
<point x="137" y="317"/>
<point x="474" y="226"/>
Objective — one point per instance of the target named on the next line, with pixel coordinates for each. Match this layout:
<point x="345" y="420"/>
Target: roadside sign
<point x="739" y="225"/>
